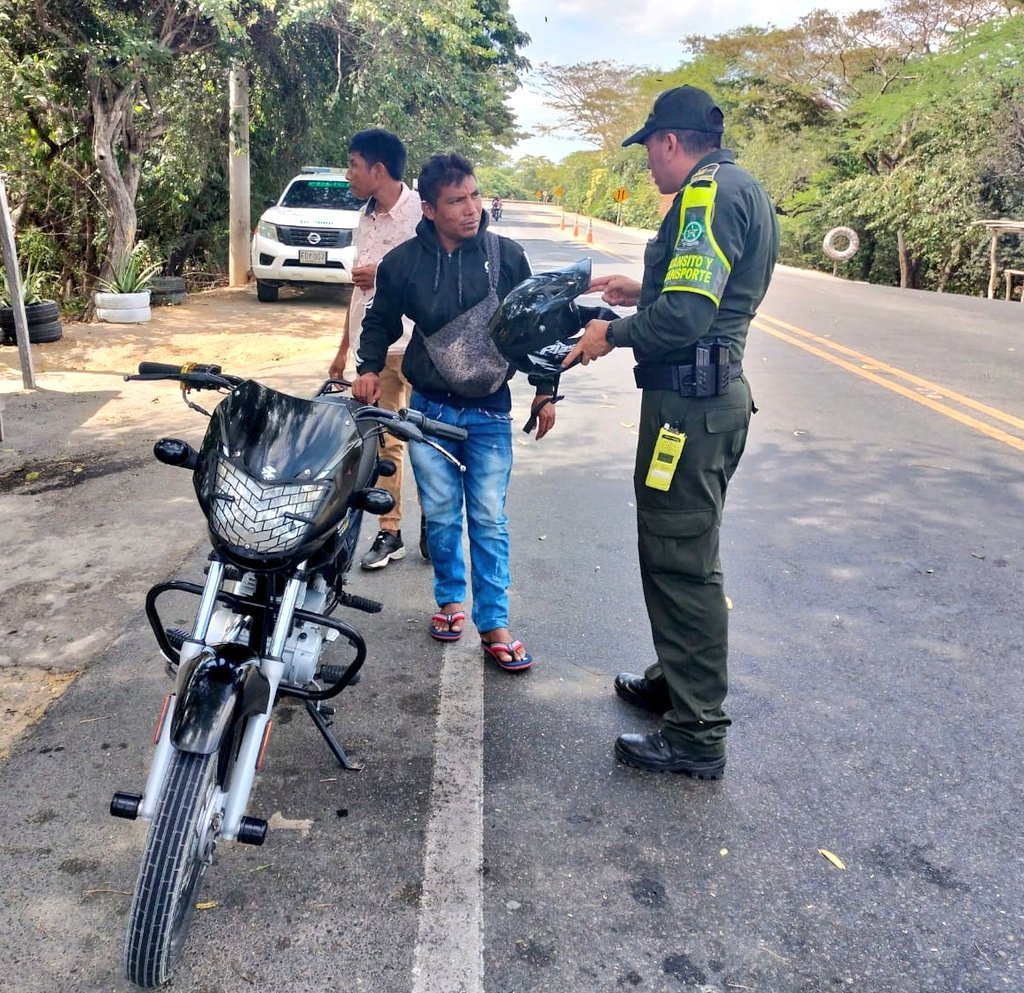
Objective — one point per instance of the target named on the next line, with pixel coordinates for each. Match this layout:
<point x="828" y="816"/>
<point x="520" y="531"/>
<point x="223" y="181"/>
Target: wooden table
<point x="1008" y="275"/>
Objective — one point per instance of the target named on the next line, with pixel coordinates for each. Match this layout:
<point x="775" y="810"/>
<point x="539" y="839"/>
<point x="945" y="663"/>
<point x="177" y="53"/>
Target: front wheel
<point x="265" y="293"/>
<point x="178" y="850"/>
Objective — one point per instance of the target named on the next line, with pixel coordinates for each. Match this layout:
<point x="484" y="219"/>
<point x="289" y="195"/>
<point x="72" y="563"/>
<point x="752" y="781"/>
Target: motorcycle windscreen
<point x="277" y="437"/>
<point x="276" y="471"/>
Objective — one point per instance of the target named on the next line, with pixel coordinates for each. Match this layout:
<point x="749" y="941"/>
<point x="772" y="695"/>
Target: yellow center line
<point x="965" y="401"/>
<point x="940" y="408"/>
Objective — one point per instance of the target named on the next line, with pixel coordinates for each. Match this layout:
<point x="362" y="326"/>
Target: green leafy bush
<point x="34" y="286"/>
<point x="132" y="273"/>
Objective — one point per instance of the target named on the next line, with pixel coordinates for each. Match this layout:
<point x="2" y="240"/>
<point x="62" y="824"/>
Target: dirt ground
<point x="82" y="536"/>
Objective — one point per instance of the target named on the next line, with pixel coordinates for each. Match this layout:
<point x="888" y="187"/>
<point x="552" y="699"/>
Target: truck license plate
<point x="312" y="257"/>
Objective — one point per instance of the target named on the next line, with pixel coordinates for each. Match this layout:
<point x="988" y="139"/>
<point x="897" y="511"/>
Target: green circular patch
<point x="693" y="232"/>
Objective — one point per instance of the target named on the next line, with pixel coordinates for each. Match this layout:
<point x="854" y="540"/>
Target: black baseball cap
<point x="684" y="108"/>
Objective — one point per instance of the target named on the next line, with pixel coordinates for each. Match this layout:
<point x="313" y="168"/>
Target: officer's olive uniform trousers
<point x="679" y="562"/>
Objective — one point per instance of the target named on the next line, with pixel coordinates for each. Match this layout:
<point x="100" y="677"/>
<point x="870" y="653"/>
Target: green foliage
<point x="155" y="75"/>
<point x="588" y="180"/>
<point x="923" y="146"/>
<point x="35" y="285"/>
<point x="592" y="100"/>
<point x="904" y="122"/>
<point x="132" y="273"/>
<point x="498" y="182"/>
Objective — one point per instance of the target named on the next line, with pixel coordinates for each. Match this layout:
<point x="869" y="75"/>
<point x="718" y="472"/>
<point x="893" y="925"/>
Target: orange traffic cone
<point x="590" y="231"/>
<point x="576" y="226"/>
<point x="562" y="228"/>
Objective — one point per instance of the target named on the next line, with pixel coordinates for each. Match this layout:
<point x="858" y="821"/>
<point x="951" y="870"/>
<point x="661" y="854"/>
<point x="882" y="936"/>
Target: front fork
<point x="233" y="795"/>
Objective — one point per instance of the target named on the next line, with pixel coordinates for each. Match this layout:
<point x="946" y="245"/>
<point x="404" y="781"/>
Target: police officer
<point x="705" y="273"/>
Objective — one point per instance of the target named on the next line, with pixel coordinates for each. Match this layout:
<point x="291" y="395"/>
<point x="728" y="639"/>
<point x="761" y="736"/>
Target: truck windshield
<point x="324" y="194"/>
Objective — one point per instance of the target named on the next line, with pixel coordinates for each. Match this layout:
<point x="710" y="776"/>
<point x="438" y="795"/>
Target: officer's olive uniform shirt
<point x="666" y="326"/>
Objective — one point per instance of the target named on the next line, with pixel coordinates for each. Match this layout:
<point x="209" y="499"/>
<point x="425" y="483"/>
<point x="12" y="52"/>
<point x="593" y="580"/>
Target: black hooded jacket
<point x="421" y="280"/>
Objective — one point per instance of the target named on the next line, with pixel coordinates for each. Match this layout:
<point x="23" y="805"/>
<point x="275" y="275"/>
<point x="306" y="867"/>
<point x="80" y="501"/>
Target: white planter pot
<point x="123" y="308"/>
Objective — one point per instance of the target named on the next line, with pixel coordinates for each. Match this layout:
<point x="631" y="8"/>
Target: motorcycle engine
<point x="301" y="654"/>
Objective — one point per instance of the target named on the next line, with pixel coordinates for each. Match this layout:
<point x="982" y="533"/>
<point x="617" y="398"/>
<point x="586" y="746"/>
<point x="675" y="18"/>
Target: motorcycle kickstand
<point x="332" y="743"/>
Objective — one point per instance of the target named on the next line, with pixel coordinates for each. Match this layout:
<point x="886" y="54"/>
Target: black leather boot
<point x="654" y="753"/>
<point x="641" y="692"/>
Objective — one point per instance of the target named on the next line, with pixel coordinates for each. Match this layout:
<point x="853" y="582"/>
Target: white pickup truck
<point x="306" y="237"/>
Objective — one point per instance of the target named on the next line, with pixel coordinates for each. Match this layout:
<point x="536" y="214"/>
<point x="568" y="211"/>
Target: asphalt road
<point x="872" y="549"/>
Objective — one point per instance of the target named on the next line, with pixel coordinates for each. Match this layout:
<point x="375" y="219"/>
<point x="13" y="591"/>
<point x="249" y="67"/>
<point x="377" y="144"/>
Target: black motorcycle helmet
<point x="537" y="324"/>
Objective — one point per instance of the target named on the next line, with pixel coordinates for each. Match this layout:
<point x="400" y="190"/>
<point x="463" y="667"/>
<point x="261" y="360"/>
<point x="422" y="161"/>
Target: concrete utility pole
<point x="238" y="176"/>
<point x="10" y="259"/>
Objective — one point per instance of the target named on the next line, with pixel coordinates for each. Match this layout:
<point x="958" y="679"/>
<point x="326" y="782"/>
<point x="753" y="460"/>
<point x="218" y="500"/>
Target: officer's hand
<point x="367" y="387"/>
<point x="617" y="291"/>
<point x="591" y="346"/>
<point x="546" y="416"/>
<point x="364" y="275"/>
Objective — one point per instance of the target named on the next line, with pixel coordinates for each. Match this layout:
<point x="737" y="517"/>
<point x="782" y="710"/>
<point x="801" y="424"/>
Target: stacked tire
<point x="166" y="291"/>
<point x="43" y="323"/>
<point x="123" y="308"/>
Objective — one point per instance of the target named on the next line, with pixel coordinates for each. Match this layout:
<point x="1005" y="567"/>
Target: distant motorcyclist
<point x="496" y="208"/>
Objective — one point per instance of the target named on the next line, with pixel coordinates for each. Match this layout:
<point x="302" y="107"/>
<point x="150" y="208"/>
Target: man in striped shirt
<point x="376" y="165"/>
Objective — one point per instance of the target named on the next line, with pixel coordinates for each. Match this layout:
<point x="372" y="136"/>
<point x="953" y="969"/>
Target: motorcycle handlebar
<point x="196" y="375"/>
<point x="436" y="428"/>
<point x="158" y="369"/>
<point x="201" y="376"/>
<point x="181" y="371"/>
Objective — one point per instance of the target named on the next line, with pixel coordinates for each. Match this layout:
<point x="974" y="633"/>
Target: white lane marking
<point x="449" y="954"/>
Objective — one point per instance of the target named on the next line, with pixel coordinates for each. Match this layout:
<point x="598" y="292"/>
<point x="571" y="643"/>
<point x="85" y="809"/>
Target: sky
<point x="631" y="32"/>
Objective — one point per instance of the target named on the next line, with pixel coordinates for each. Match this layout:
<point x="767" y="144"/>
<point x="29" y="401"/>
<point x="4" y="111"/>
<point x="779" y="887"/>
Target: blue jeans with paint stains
<point x="481" y="489"/>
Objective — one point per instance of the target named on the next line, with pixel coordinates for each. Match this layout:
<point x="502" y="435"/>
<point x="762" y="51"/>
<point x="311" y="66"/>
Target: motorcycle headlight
<point x="268" y="230"/>
<point x="266" y="518"/>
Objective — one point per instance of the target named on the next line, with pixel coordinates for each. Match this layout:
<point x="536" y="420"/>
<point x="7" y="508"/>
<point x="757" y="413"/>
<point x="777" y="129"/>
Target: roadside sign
<point x="559" y="191"/>
<point x="621" y="195"/>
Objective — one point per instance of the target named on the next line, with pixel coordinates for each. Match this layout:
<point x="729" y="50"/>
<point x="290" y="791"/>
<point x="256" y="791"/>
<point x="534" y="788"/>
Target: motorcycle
<point x="496" y="209"/>
<point x="283" y="482"/>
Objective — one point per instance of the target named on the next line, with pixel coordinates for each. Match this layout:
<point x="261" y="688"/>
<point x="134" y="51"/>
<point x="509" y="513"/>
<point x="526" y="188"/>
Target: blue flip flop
<point x="439" y="633"/>
<point x="495" y="649"/>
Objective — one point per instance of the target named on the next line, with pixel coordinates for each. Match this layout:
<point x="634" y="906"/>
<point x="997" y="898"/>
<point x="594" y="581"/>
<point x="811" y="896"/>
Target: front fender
<point x="218" y="687"/>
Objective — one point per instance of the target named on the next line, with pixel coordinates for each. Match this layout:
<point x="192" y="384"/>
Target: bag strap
<point x="493" y="258"/>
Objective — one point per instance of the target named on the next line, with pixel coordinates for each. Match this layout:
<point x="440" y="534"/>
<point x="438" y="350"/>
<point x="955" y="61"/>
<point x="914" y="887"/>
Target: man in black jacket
<point x="449" y="279"/>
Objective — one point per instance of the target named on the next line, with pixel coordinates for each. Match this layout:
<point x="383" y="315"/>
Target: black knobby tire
<point x="265" y="293"/>
<point x="167" y="284"/>
<point x="40" y="334"/>
<point x="43" y="320"/>
<point x="166" y="299"/>
<point x="174" y="861"/>
<point x="35" y="313"/>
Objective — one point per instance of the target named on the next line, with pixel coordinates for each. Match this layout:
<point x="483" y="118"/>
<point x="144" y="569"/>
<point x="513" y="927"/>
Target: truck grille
<point x="322" y="237"/>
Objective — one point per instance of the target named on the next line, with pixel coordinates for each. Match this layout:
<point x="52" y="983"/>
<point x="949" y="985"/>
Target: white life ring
<point x="839" y="234"/>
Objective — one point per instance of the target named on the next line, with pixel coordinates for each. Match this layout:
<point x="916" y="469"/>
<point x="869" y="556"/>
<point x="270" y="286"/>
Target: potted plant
<point x="41" y="313"/>
<point x="124" y="298"/>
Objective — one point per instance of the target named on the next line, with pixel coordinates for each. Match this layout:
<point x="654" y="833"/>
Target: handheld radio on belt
<point x="709" y="376"/>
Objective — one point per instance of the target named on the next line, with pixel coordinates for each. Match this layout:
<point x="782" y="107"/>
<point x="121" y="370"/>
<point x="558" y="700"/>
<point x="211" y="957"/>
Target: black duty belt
<point x="684" y="379"/>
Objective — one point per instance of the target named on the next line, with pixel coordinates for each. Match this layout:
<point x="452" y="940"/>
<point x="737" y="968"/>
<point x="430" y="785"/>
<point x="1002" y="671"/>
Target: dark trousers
<point x="679" y="561"/>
